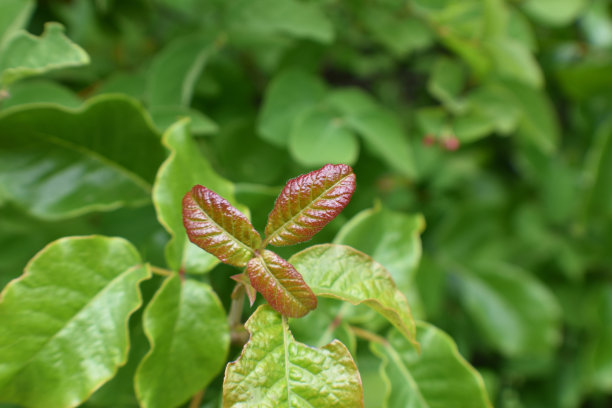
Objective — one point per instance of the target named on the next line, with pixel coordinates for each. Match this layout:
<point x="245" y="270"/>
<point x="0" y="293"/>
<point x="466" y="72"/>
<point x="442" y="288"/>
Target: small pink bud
<point x="451" y="144"/>
<point x="429" y="140"/>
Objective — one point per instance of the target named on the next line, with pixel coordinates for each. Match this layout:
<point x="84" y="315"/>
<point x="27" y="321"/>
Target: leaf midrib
<point x="137" y="179"/>
<point x="299" y="213"/>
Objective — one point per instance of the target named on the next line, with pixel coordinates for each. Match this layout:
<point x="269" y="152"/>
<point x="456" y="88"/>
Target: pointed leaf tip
<point x="217" y="227"/>
<point x="308" y="203"/>
<point x="281" y="285"/>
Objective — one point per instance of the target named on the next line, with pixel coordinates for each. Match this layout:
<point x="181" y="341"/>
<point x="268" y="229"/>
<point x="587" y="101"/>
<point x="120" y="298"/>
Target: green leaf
<point x="341" y="272"/>
<point x="217" y="227"/>
<point x="58" y="163"/>
<point x="280" y="17"/>
<point x="281" y="285"/>
<point x="72" y="303"/>
<point x="379" y="128"/>
<point x="175" y="70"/>
<point x="274" y="370"/>
<point x="309" y="202"/>
<point x="501" y="299"/>
<point x="447" y="82"/>
<point x="438" y="376"/>
<point x="15" y="15"/>
<point x="321" y="136"/>
<point x="184" y="167"/>
<point x="40" y="91"/>
<point x="166" y="116"/>
<point x="600" y="355"/>
<point x="288" y="95"/>
<point x="514" y="61"/>
<point x="26" y="55"/>
<point x="189" y="337"/>
<point x="598" y="171"/>
<point x="401" y="34"/>
<point x="390" y="238"/>
<point x="554" y="12"/>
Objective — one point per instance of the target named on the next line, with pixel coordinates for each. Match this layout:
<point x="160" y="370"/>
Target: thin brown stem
<point x="368" y="335"/>
<point x="196" y="400"/>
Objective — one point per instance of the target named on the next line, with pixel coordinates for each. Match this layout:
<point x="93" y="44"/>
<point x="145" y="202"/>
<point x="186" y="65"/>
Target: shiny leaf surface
<point x="308" y="203"/>
<point x="214" y="225"/>
<point x="342" y="272"/>
<point x="189" y="337"/>
<point x="182" y="169"/>
<point x="275" y="371"/>
<point x="26" y="55"/>
<point x="58" y="163"/>
<point x="281" y="285"/>
<point x="65" y="321"/>
<point x="437" y="377"/>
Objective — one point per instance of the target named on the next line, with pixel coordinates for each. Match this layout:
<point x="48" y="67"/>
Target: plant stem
<point x="238" y="334"/>
<point x="196" y="400"/>
<point x="161" y="271"/>
<point x="326" y="337"/>
<point x="368" y="335"/>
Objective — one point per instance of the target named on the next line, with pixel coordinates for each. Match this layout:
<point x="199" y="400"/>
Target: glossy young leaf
<point x="308" y="203"/>
<point x="342" y="272"/>
<point x="275" y="371"/>
<point x="26" y="55"/>
<point x="438" y="376"/>
<point x="281" y="285"/>
<point x="58" y="163"/>
<point x="189" y="337"/>
<point x="214" y="225"/>
<point x="69" y="313"/>
<point x="184" y="167"/>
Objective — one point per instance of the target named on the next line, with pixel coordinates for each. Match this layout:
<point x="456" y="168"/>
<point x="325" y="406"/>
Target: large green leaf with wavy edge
<point x="64" y="322"/>
<point x="342" y="272"/>
<point x="184" y="167"/>
<point x="57" y="162"/>
<point x="187" y="327"/>
<point x="390" y="238"/>
<point x="437" y="377"/>
<point x="275" y="371"/>
<point x="26" y="55"/>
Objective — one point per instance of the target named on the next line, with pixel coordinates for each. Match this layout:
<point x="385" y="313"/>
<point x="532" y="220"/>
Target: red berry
<point x="451" y="144"/>
<point x="429" y="140"/>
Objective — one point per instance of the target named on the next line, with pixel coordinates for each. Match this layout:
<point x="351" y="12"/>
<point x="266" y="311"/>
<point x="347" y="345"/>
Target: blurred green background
<point x="490" y="118"/>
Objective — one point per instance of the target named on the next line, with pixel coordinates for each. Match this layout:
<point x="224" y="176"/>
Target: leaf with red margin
<point x="217" y="227"/>
<point x="308" y="203"/>
<point x="281" y="285"/>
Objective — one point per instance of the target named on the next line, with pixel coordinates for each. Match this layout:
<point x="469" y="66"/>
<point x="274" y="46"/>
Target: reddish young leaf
<point x="308" y="203"/>
<point x="217" y="227"/>
<point x="281" y="285"/>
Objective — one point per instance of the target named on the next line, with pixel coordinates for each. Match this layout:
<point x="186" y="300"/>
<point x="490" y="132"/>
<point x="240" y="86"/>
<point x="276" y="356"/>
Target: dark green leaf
<point x="58" y="163"/>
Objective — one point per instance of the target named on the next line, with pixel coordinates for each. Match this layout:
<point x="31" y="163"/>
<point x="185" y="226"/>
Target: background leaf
<point x="184" y="167"/>
<point x="275" y="370"/>
<point x="189" y="337"/>
<point x="344" y="273"/>
<point x="25" y="55"/>
<point x="308" y="203"/>
<point x="501" y="299"/>
<point x="73" y="301"/>
<point x="281" y="285"/>
<point x="15" y="14"/>
<point x="418" y="379"/>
